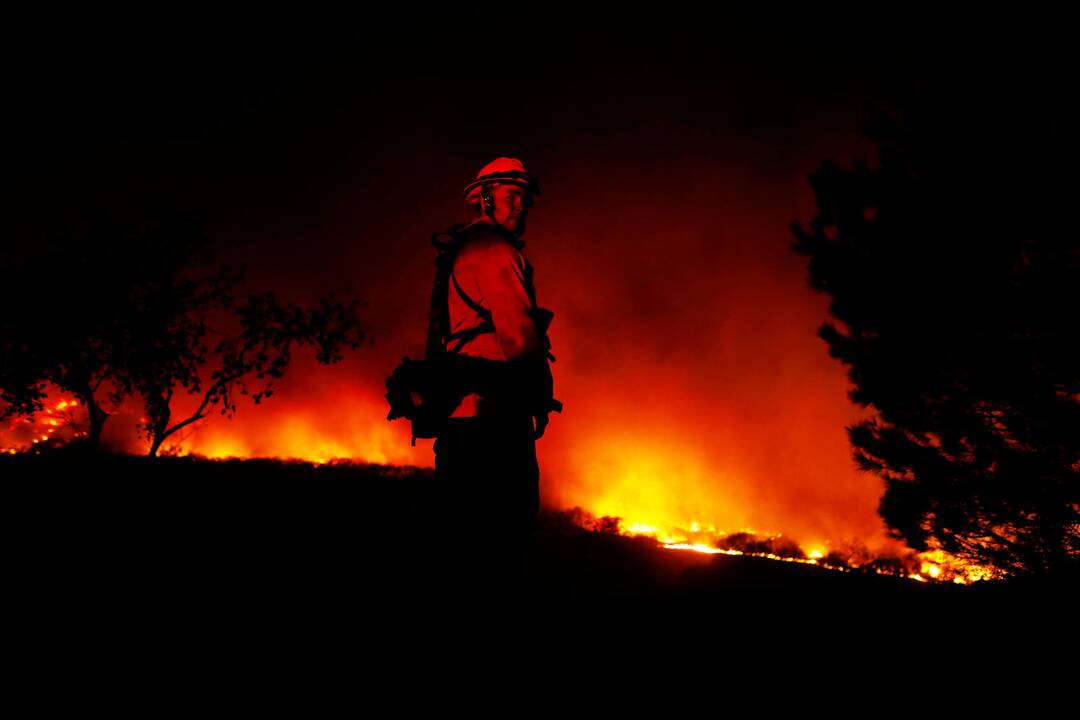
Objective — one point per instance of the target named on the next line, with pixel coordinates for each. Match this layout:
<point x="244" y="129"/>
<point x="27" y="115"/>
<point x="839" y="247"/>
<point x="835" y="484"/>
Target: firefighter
<point x="486" y="457"/>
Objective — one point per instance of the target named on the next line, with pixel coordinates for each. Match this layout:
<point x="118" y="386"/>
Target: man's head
<point x="509" y="206"/>
<point x="503" y="192"/>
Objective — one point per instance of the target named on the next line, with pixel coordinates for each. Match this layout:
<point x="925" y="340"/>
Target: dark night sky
<point x="299" y="148"/>
<point x="672" y="163"/>
<point x="298" y="121"/>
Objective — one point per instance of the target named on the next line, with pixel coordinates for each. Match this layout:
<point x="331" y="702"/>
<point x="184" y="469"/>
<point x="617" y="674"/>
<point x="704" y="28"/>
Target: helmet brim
<point x="512" y="176"/>
<point x="473" y="191"/>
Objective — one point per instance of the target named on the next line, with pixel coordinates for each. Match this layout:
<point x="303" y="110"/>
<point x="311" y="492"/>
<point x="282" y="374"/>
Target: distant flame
<point x="647" y="489"/>
<point x="934" y="566"/>
<point x="57" y="422"/>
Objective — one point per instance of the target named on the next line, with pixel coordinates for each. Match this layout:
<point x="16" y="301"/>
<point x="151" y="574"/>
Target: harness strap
<point x="479" y="309"/>
<point x="487" y="324"/>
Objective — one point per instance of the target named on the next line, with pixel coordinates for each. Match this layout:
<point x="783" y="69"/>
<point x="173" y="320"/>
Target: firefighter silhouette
<point x="485" y="457"/>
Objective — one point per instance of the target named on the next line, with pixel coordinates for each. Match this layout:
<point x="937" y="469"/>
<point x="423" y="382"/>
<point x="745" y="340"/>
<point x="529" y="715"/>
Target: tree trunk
<point x="97" y="422"/>
<point x="161" y="414"/>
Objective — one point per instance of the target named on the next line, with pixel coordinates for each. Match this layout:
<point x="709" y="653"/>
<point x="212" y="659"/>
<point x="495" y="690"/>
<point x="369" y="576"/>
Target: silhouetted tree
<point x="64" y="289"/>
<point x="128" y="303"/>
<point x="165" y="327"/>
<point x="262" y="347"/>
<point x="958" y="294"/>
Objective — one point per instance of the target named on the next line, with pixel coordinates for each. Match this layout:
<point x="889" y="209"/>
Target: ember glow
<point x="61" y="420"/>
<point x="701" y="407"/>
<point x="933" y="566"/>
<point x="693" y="421"/>
<point x="656" y="490"/>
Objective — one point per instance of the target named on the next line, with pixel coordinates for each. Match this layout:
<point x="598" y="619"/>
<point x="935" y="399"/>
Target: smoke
<point x="694" y="385"/>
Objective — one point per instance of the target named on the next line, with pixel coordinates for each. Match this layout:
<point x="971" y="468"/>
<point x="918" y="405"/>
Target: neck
<point x="513" y="237"/>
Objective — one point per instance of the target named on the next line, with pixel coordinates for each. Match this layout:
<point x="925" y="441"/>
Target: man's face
<point x="511" y="206"/>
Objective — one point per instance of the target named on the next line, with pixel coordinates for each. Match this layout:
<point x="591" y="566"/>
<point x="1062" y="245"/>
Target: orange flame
<point x="661" y="488"/>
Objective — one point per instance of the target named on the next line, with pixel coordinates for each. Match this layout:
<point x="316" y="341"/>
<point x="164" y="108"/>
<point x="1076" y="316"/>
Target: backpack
<point x="427" y="391"/>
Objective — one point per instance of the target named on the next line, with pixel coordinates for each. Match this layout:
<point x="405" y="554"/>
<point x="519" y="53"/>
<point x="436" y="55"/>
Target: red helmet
<point x="500" y="170"/>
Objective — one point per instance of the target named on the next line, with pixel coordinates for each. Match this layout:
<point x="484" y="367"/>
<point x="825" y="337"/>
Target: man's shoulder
<point x="487" y="230"/>
<point x="488" y="241"/>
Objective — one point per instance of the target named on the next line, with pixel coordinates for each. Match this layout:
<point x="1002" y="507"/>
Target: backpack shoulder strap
<point x="477" y="307"/>
<point x="439" y="335"/>
<point x="487" y="324"/>
<point x="439" y="315"/>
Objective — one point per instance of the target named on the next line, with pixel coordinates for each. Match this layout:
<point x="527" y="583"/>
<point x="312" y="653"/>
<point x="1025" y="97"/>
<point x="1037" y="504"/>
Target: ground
<point x="185" y="528"/>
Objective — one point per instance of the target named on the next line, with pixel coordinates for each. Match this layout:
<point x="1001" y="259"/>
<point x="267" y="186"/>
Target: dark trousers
<point x="490" y="481"/>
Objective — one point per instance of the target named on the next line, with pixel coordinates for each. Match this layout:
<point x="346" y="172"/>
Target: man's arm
<point x="500" y="275"/>
<point x="501" y="279"/>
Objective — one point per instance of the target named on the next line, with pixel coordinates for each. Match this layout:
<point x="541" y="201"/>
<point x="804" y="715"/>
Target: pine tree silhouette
<point x="958" y="294"/>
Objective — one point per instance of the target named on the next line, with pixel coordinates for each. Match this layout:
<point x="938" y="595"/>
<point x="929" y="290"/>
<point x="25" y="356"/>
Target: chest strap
<point x="486" y="325"/>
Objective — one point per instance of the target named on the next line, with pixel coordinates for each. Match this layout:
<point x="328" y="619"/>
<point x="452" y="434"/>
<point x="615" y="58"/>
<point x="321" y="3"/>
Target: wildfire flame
<point x="932" y="566"/>
<point x="635" y="476"/>
<point x="57" y="422"/>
